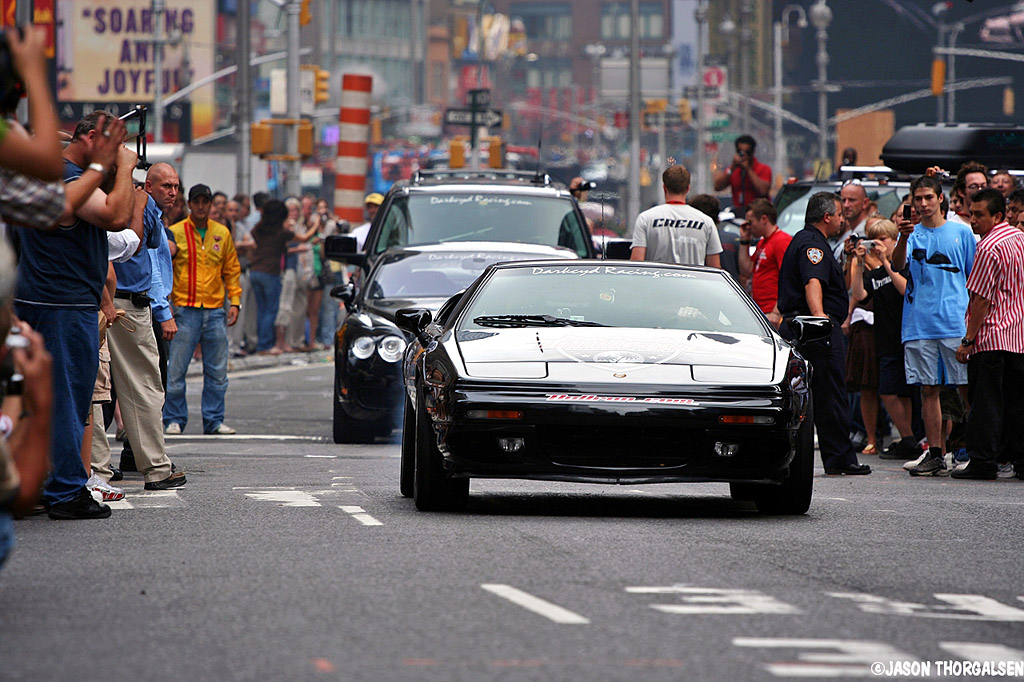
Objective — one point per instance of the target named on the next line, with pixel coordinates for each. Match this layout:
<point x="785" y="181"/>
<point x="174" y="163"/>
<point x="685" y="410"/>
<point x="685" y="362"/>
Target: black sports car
<point x="368" y="347"/>
<point x="606" y="372"/>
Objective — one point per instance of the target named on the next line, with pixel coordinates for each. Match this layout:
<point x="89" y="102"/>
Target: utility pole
<point x="634" y="114"/>
<point x="746" y="33"/>
<point x="293" y="183"/>
<point x="23" y="16"/>
<point x="700" y="176"/>
<point x="243" y="108"/>
<point x="158" y="68"/>
<point x="821" y="17"/>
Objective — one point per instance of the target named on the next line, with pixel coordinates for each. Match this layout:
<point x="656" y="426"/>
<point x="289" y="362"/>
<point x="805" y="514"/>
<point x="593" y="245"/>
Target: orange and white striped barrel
<point x="353" y="147"/>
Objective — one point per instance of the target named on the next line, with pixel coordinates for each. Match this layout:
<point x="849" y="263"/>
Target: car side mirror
<point x="413" y="320"/>
<point x="343" y="247"/>
<point x="344" y="293"/>
<point x="807" y="329"/>
<point x="618" y="249"/>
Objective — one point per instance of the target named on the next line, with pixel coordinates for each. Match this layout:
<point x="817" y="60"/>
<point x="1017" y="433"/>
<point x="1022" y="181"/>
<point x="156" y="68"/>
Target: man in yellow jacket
<point x="205" y="265"/>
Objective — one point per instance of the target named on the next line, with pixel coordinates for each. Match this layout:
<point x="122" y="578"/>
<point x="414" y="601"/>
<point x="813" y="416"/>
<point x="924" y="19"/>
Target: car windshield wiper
<point x="531" y="321"/>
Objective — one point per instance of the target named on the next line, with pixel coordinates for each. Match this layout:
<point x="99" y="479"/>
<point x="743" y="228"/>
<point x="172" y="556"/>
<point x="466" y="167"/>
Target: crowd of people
<point x="926" y="307"/>
<point x="111" y="287"/>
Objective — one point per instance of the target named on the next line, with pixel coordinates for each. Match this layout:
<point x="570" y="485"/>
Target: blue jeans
<point x="72" y="338"/>
<point x="209" y="327"/>
<point x="267" y="289"/>
<point x="329" y="310"/>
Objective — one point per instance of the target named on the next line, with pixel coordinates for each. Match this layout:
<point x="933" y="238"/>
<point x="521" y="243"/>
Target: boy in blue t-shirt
<point x="940" y="254"/>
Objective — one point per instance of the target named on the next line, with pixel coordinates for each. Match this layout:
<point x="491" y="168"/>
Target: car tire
<point x="408" y="473"/>
<point x="349" y="430"/>
<point x="432" y="489"/>
<point x="793" y="497"/>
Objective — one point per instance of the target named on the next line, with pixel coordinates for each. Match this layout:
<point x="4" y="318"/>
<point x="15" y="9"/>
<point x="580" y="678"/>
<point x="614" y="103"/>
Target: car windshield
<point x="411" y="274"/>
<point x="792" y="203"/>
<point x="440" y="217"/>
<point x="611" y="295"/>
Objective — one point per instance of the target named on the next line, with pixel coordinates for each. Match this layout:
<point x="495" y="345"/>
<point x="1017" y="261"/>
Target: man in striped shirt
<point x="993" y="347"/>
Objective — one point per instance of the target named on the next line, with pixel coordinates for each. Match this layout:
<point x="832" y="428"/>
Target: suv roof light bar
<point x="461" y="174"/>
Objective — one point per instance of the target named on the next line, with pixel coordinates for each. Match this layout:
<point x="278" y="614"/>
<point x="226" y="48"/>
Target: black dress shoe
<point x="175" y="480"/>
<point x="82" y="507"/>
<point x="848" y="470"/>
<point x="116" y="474"/>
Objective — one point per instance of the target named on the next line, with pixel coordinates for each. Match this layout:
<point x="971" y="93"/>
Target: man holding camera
<point x="60" y="278"/>
<point x="748" y="178"/>
<point x="134" y="356"/>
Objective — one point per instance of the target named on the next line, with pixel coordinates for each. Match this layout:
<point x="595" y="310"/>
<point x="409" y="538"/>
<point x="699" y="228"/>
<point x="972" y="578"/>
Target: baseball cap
<point x="374" y="198"/>
<point x="200" y="191"/>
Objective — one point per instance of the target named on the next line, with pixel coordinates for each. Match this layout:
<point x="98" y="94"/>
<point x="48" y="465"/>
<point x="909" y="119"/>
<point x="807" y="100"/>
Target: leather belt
<point x="140" y="299"/>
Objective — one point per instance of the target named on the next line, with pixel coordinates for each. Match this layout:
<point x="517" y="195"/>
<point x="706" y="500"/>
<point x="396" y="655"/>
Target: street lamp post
<point x="821" y="17"/>
<point x="595" y="51"/>
<point x="746" y="33"/>
<point x="700" y="178"/>
<point x="634" y="113"/>
<point x="781" y="37"/>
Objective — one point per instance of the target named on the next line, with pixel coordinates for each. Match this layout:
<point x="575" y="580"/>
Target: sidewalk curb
<point x="250" y="362"/>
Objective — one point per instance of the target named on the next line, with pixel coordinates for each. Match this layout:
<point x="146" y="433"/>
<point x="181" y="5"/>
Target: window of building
<point x="551" y="21"/>
<point x="615" y="23"/>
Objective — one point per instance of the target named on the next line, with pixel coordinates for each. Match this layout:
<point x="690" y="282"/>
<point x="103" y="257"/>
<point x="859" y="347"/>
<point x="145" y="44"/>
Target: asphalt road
<point x="287" y="557"/>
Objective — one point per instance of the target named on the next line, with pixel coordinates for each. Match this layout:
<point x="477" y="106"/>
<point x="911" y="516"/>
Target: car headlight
<point x="390" y="348"/>
<point x="362" y="347"/>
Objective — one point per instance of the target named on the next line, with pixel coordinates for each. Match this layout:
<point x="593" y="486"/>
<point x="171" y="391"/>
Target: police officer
<point x="811" y="283"/>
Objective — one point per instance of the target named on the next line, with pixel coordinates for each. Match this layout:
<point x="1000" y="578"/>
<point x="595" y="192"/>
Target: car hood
<point x="578" y="353"/>
<point x="386" y="307"/>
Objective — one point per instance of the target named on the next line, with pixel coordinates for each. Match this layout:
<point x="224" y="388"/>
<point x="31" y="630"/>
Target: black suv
<point x="436" y="207"/>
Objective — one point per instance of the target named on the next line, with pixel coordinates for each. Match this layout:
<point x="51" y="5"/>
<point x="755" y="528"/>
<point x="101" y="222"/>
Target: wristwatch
<point x="745" y="242"/>
<point x="97" y="167"/>
<point x="966" y="342"/>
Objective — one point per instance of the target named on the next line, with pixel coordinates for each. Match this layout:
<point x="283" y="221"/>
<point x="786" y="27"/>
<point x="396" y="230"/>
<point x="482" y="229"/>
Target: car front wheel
<point x="794" y="495"/>
<point x="432" y="489"/>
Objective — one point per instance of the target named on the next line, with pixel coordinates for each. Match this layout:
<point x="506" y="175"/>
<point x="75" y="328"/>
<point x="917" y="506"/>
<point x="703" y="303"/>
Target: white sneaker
<point x="223" y="430"/>
<point x="1005" y="470"/>
<point x="107" y="492"/>
<point x="173" y="429"/>
<point x="914" y="462"/>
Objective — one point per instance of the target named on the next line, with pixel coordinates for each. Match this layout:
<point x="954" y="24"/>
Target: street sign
<point x="723" y="136"/>
<point x="719" y="122"/>
<point x="672" y="119"/>
<point x="710" y="92"/>
<point x="465" y="117"/>
<point x="716" y="60"/>
<point x="480" y="99"/>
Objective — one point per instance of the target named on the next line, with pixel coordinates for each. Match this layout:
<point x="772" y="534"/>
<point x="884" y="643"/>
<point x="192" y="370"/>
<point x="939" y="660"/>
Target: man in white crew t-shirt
<point x="674" y="232"/>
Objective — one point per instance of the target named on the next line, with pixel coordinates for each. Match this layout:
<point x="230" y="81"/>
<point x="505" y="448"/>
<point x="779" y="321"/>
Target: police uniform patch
<point x="815" y="255"/>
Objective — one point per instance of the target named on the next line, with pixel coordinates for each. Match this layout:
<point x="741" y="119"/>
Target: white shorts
<point x="932" y="362"/>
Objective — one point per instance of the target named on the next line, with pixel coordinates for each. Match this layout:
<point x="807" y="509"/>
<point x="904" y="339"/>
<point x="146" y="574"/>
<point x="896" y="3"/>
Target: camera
<point x="12" y="88"/>
<point x="868" y="244"/>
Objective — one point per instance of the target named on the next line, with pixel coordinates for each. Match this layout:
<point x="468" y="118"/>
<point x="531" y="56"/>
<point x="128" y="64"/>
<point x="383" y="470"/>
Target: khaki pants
<point x="135" y="367"/>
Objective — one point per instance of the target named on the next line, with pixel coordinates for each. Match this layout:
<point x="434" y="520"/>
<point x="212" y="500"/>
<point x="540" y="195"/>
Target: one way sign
<point x="467" y="117"/>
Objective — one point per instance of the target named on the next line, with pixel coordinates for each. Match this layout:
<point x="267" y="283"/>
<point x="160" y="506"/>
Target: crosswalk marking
<point x="285" y="498"/>
<point x="149" y="499"/>
<point x="975" y="651"/>
<point x="541" y="607"/>
<point x="960" y="607"/>
<point x="827" y="658"/>
<point x="707" y="600"/>
<point x="360" y="515"/>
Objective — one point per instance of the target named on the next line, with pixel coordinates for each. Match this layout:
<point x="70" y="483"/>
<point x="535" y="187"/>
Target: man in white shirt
<point x="372" y="204"/>
<point x="674" y="232"/>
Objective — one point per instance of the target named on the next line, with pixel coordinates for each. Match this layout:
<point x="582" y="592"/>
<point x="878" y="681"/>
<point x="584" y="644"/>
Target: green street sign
<point x="724" y="137"/>
<point x="721" y="122"/>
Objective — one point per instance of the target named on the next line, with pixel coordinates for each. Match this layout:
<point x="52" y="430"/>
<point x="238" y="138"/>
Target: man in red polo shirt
<point x="762" y="269"/>
<point x="748" y="178"/>
<point x="993" y="346"/>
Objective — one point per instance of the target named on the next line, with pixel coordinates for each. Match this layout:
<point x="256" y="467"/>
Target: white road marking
<point x="321" y="456"/>
<point x="149" y="499"/>
<point x="245" y="436"/>
<point x="360" y="515"/>
<point x="975" y="651"/>
<point x="849" y="658"/>
<point x="707" y="600"/>
<point x="963" y="607"/>
<point x="285" y="498"/>
<point x="541" y="607"/>
<point x="840" y="499"/>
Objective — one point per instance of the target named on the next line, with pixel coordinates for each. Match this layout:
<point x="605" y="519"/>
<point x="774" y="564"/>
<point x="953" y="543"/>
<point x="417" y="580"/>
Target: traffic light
<point x="322" y="86"/>
<point x="305" y="133"/>
<point x="305" y="16"/>
<point x="938" y="76"/>
<point x="261" y="138"/>
<point x="456" y="154"/>
<point x="685" y="111"/>
<point x="496" y="153"/>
